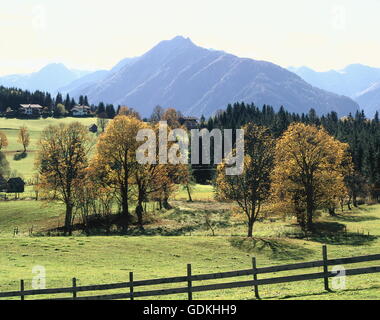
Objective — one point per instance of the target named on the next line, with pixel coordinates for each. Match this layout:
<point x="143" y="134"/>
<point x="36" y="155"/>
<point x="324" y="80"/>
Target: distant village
<point x="36" y="111"/>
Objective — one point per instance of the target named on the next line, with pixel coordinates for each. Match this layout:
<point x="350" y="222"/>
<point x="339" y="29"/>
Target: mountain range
<point x="56" y="77"/>
<point x="77" y="87"/>
<point x="177" y="73"/>
<point x="50" y="78"/>
<point x="370" y="98"/>
<point x="357" y="81"/>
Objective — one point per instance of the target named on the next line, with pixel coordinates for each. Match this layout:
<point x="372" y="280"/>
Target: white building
<point x="80" y="111"/>
<point x="30" y="109"/>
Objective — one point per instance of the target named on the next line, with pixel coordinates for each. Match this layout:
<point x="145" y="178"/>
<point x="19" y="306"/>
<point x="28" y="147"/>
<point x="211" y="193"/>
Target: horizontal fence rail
<point x="189" y="279"/>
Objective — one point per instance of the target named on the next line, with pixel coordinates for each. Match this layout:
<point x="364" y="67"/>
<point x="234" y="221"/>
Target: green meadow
<point x="180" y="236"/>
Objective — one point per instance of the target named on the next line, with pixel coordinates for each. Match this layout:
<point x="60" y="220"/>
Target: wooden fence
<point x="190" y="278"/>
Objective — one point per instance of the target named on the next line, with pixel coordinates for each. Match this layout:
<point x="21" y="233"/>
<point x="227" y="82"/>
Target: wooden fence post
<point x="256" y="287"/>
<point x="325" y="268"/>
<point x="74" y="288"/>
<point x="189" y="283"/>
<point x="22" y="287"/>
<point x="131" y="283"/>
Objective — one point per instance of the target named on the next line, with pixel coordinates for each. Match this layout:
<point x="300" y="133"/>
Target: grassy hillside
<point x="11" y="127"/>
<point x="180" y="236"/>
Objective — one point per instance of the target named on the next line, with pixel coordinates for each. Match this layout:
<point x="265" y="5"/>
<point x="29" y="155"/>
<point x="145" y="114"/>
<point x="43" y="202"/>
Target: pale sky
<point x="93" y="34"/>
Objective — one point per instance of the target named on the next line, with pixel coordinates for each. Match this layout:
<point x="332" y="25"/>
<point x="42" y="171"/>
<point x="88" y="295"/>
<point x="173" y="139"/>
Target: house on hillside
<point x="80" y="111"/>
<point x="189" y="122"/>
<point x="30" y="110"/>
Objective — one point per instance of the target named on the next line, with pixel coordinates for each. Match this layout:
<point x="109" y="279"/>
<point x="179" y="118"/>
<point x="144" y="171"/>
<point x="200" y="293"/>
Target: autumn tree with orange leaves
<point x="3" y="140"/>
<point x="171" y="116"/>
<point x="310" y="167"/>
<point x="61" y="163"/>
<point x="155" y="181"/>
<point x="115" y="159"/>
<point x="117" y="167"/>
<point x="4" y="164"/>
<point x="24" y="137"/>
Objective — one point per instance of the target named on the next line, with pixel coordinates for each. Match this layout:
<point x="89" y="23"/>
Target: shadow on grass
<point x="354" y="218"/>
<point x="19" y="156"/>
<point x="159" y="231"/>
<point x="334" y="233"/>
<point x="178" y="221"/>
<point x="97" y="225"/>
<point x="274" y="248"/>
<point x="112" y="226"/>
<point x="196" y="219"/>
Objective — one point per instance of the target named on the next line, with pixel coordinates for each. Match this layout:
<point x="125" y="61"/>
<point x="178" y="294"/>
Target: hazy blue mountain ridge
<point x="177" y="73"/>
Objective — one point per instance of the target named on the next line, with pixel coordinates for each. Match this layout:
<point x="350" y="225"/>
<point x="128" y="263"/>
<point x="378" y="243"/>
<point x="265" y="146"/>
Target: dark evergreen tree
<point x="110" y="111"/>
<point x="101" y="109"/>
<point x="58" y="99"/>
<point x="67" y="103"/>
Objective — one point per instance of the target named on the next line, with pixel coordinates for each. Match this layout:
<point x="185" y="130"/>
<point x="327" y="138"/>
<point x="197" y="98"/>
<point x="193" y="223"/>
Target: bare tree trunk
<point x="189" y="193"/>
<point x="309" y="209"/>
<point x="354" y="200"/>
<point x="140" y="209"/>
<point x="166" y="204"/>
<point x="250" y="228"/>
<point x="68" y="219"/>
<point x="332" y="212"/>
<point x="124" y="210"/>
<point x="349" y="204"/>
<point x="251" y="221"/>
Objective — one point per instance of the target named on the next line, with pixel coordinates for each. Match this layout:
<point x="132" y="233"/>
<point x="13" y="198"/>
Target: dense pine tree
<point x="58" y="99"/>
<point x="110" y="111"/>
